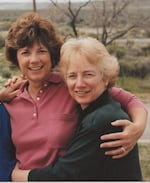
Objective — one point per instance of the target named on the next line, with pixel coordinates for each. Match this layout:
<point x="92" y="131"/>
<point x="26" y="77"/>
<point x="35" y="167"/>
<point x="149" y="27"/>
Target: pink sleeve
<point x="126" y="99"/>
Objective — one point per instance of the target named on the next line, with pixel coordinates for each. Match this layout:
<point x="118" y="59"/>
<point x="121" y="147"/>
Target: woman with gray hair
<point x="89" y="71"/>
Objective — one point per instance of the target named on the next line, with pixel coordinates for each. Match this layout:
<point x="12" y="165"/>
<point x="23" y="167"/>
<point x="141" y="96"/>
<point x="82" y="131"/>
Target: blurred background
<point x="123" y="26"/>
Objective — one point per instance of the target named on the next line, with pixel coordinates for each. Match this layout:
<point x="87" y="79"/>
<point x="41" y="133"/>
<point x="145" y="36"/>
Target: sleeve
<point x="126" y="99"/>
<point x="7" y="150"/>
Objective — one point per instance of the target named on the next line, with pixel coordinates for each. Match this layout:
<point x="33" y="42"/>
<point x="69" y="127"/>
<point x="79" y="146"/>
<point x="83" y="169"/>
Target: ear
<point x="106" y="84"/>
<point x="106" y="81"/>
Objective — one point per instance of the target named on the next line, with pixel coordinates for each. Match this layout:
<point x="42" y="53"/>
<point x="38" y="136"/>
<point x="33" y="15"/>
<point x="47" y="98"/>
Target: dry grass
<point x="144" y="152"/>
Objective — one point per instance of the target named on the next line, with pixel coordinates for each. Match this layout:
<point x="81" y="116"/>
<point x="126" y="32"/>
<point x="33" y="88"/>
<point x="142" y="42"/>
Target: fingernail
<point x="101" y="145"/>
<point x="101" y="138"/>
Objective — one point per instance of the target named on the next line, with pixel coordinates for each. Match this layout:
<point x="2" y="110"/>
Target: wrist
<point x="2" y="95"/>
<point x="20" y="175"/>
<point x="139" y="128"/>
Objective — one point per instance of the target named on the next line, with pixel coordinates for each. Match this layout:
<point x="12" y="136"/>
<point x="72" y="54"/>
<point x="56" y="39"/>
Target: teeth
<point x="81" y="92"/>
<point x="35" y="68"/>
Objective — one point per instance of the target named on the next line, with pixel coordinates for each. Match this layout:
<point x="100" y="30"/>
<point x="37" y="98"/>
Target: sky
<point x="24" y="1"/>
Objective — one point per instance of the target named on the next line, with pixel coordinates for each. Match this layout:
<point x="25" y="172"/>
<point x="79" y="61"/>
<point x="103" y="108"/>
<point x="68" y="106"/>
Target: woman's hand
<point x="10" y="89"/>
<point x="14" y="80"/>
<point x="19" y="175"/>
<point x="123" y="141"/>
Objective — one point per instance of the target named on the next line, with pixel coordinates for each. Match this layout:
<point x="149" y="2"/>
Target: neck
<point x="33" y="92"/>
<point x="84" y="106"/>
<point x="34" y="88"/>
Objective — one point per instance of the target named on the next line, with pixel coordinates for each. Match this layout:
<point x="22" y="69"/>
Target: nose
<point x="80" y="81"/>
<point x="34" y="58"/>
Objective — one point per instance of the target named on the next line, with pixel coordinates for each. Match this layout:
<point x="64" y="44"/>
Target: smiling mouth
<point x="35" y="68"/>
<point x="81" y="93"/>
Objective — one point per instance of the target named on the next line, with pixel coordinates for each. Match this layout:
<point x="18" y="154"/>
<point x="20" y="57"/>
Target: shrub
<point x="138" y="68"/>
<point x="118" y="51"/>
<point x="2" y="41"/>
<point x="146" y="50"/>
<point x="6" y="73"/>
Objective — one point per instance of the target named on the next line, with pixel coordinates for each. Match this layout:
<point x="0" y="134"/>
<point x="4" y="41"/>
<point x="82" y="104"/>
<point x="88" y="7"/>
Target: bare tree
<point x="34" y="5"/>
<point x="108" y="26"/>
<point x="71" y="13"/>
<point x="112" y="19"/>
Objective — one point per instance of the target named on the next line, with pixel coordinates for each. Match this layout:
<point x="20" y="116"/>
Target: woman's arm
<point x="126" y="99"/>
<point x="132" y="131"/>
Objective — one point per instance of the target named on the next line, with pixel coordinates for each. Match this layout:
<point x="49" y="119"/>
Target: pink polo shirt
<point x="41" y="130"/>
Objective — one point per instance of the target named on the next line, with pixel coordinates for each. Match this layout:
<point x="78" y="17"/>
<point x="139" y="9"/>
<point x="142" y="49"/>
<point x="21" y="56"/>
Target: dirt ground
<point x="144" y="149"/>
<point x="146" y="135"/>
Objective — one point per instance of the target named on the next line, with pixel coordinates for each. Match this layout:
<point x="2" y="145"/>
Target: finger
<point x="121" y="123"/>
<point x="8" y="82"/>
<point x="23" y="77"/>
<point x="116" y="151"/>
<point x="111" y="144"/>
<point x="119" y="156"/>
<point x="17" y="84"/>
<point x="111" y="136"/>
<point x="14" y="93"/>
<point x="15" y="78"/>
<point x="124" y="153"/>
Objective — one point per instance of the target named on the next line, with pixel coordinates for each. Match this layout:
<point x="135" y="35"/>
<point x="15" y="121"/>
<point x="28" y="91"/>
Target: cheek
<point x="99" y="86"/>
<point x="21" y="64"/>
<point x="48" y="59"/>
<point x="70" y="86"/>
<point x="48" y="64"/>
<point x="22" y="60"/>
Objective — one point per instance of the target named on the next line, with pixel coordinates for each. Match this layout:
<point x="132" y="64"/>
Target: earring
<point x="106" y="84"/>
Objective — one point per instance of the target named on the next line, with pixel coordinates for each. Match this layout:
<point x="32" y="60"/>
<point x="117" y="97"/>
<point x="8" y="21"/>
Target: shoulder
<point x="55" y="76"/>
<point x="3" y="111"/>
<point x="4" y="120"/>
<point x="103" y="116"/>
<point x="1" y="107"/>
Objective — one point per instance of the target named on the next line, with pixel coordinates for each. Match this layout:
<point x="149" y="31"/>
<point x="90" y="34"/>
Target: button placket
<point x="38" y="98"/>
<point x="35" y="113"/>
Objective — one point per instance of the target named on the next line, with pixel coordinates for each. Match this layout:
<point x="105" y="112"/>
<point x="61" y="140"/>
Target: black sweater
<point x="84" y="159"/>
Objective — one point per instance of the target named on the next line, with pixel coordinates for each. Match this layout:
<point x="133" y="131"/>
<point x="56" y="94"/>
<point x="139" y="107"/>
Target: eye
<point x="43" y="50"/>
<point x="25" y="52"/>
<point x="89" y="74"/>
<point x="71" y="76"/>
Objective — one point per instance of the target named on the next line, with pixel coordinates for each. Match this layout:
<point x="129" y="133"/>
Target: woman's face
<point x="34" y="62"/>
<point x="84" y="81"/>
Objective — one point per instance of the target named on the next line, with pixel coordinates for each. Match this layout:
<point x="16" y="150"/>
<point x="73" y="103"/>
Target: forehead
<point x="35" y="45"/>
<point x="80" y="63"/>
<point x="31" y="43"/>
